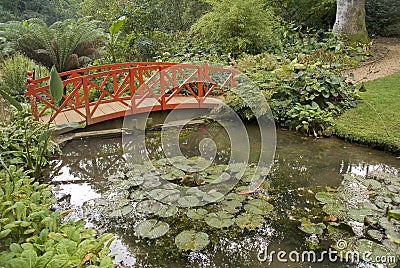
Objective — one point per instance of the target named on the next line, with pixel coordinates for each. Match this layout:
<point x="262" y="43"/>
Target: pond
<point x="91" y="171"/>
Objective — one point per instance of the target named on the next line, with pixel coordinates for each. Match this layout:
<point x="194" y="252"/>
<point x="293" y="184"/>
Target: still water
<point x="302" y="166"/>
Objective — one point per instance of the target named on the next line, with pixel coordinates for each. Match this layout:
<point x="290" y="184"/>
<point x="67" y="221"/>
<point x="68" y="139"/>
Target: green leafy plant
<point x="114" y="33"/>
<point x="238" y="26"/>
<point x="13" y="74"/>
<point x="65" y="44"/>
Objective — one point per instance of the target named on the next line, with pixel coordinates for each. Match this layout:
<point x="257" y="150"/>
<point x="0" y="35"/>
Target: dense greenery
<point x="13" y="71"/>
<point x="383" y="17"/>
<point x="246" y="26"/>
<point x="66" y="44"/>
<point x="284" y="46"/>
<point x="31" y="233"/>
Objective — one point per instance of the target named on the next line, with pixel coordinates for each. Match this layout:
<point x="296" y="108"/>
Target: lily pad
<point x="120" y="212"/>
<point x="188" y="201"/>
<point x="151" y="229"/>
<point x="219" y="219"/>
<point x="213" y="196"/>
<point x="394" y="213"/>
<point x="235" y="196"/>
<point x="376" y="250"/>
<point x="174" y="174"/>
<point x="312" y="228"/>
<point x="249" y="221"/>
<point x="222" y="178"/>
<point x="326" y="197"/>
<point x="258" y="206"/>
<point x="148" y="206"/>
<point x="191" y="240"/>
<point x="372" y="184"/>
<point x="167" y="211"/>
<point x="237" y="167"/>
<point x="231" y="206"/>
<point x="135" y="180"/>
<point x="138" y="195"/>
<point x="197" y="214"/>
<point x="336" y="209"/>
<point x="216" y="170"/>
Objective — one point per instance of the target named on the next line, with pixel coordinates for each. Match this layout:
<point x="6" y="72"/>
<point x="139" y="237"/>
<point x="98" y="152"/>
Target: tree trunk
<point x="350" y="22"/>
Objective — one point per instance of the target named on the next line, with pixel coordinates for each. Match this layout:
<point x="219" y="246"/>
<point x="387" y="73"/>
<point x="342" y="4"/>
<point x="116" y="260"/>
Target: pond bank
<point x="376" y="119"/>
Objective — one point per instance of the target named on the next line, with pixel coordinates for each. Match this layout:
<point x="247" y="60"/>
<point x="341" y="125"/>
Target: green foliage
<point x="136" y="47"/>
<point x="301" y="81"/>
<point x="11" y="100"/>
<point x="315" y="14"/>
<point x="26" y="143"/>
<point x="179" y="49"/>
<point x="383" y="17"/>
<point x="238" y="26"/>
<point x="32" y="234"/>
<point x="115" y="31"/>
<point x="55" y="85"/>
<point x="64" y="44"/>
<point x="13" y="74"/>
<point x="48" y="10"/>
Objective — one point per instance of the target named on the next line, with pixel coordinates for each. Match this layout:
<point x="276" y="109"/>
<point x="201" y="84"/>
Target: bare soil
<point x="385" y="61"/>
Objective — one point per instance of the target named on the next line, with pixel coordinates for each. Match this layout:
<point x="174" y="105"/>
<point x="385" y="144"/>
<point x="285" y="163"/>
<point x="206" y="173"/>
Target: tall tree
<point x="350" y="21"/>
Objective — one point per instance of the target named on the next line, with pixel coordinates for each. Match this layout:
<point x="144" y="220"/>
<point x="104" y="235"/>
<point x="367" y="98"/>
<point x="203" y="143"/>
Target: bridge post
<point x="31" y="91"/>
<point x="201" y="76"/>
<point x="162" y="88"/>
<point x="86" y="100"/>
<point x="133" y="89"/>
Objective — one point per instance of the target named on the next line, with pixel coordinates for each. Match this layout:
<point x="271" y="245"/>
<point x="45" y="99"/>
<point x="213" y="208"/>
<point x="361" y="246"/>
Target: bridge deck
<point x="115" y="109"/>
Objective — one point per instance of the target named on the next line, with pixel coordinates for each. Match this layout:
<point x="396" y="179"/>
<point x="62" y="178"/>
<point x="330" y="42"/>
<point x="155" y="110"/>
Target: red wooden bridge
<point x="101" y="93"/>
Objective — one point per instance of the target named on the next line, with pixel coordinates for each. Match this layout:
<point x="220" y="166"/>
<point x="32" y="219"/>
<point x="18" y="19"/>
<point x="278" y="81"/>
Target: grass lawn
<point x="376" y="120"/>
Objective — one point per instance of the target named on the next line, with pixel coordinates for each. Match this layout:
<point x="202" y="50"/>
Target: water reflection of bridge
<point x="95" y="160"/>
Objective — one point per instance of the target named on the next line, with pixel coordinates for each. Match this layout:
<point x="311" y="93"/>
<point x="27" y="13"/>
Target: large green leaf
<point x="151" y="229"/>
<point x="149" y="206"/>
<point x="117" y="25"/>
<point x="219" y="219"/>
<point x="258" y="206"/>
<point x="11" y="100"/>
<point x="249" y="221"/>
<point x="197" y="214"/>
<point x="56" y="86"/>
<point x="191" y="240"/>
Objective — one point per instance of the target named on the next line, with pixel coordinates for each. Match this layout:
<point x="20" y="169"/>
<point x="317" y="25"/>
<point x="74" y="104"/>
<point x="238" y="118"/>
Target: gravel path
<point x="385" y="61"/>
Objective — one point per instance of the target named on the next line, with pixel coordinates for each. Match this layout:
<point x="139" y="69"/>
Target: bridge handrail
<point x="132" y="75"/>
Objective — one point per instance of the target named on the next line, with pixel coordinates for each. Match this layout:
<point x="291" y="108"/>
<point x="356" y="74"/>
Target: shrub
<point x="238" y="26"/>
<point x="308" y="98"/>
<point x="382" y="17"/>
<point x="13" y="73"/>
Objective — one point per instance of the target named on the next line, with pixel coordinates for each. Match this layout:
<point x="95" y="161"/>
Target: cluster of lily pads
<point x="160" y="195"/>
<point x="363" y="212"/>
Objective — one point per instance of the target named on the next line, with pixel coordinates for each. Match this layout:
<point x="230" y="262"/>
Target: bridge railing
<point x="129" y="85"/>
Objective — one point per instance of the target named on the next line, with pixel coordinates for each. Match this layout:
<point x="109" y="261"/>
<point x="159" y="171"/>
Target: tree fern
<point x="54" y="45"/>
